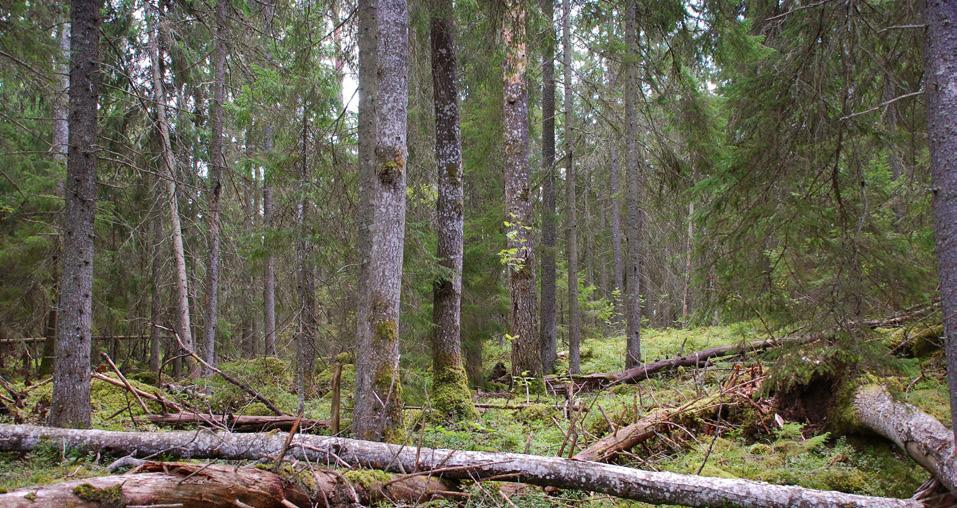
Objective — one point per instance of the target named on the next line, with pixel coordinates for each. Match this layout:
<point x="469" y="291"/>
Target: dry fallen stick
<point x="125" y="382"/>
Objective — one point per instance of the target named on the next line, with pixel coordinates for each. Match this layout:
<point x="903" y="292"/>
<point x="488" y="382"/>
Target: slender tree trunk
<point x="251" y="213"/>
<point x="615" y="205"/>
<point x="383" y="103"/>
<point x="689" y="250"/>
<point x="549" y="324"/>
<point x="269" y="282"/>
<point x="571" y="218"/>
<point x="306" y="336"/>
<point x="168" y="173"/>
<point x="70" y="406"/>
<point x="450" y="396"/>
<point x="156" y="305"/>
<point x="215" y="185"/>
<point x="61" y="125"/>
<point x="526" y="352"/>
<point x="633" y="177"/>
<point x="941" y="74"/>
<point x="895" y="160"/>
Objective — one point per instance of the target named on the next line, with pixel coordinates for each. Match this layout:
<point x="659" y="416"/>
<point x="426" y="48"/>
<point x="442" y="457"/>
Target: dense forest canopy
<point x="425" y="200"/>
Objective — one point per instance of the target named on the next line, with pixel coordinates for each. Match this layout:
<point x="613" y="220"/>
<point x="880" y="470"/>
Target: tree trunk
<point x="306" y="336"/>
<point x="619" y="481"/>
<point x="450" y="392"/>
<point x="924" y="438"/>
<point x="941" y="73"/>
<point x="615" y="204"/>
<point x="216" y="163"/>
<point x="689" y="249"/>
<point x="168" y="173"/>
<point x="269" y="282"/>
<point x="571" y="218"/>
<point x="70" y="406"/>
<point x="549" y="323"/>
<point x="633" y="177"/>
<point x="383" y="101"/>
<point x="526" y="352"/>
<point x="156" y="305"/>
<point x="61" y="124"/>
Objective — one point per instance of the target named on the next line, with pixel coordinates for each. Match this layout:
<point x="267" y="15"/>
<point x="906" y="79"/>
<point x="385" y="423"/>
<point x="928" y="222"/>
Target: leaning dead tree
<point x="618" y="481"/>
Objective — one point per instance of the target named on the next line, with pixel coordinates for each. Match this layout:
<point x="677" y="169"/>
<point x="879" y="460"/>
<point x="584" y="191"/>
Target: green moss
<point x="451" y="397"/>
<point x="30" y="496"/>
<point x="109" y="497"/>
<point x="346" y="358"/>
<point x="367" y="478"/>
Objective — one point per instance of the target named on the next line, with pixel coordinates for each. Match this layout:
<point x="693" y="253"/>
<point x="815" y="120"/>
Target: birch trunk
<point x="618" y="481"/>
<point x="70" y="405"/>
<point x="549" y="321"/>
<point x="451" y="395"/>
<point x="383" y="101"/>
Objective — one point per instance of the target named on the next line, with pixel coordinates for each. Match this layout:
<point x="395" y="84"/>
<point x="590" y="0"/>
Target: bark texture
<point x="70" y="406"/>
<point x="61" y="103"/>
<point x="450" y="395"/>
<point x="168" y="174"/>
<point x="383" y="101"/>
<point x="549" y="315"/>
<point x="940" y="71"/>
<point x="924" y="438"/>
<point x="308" y="323"/>
<point x="216" y="164"/>
<point x="619" y="481"/>
<point x="633" y="178"/>
<point x="571" y="197"/>
<point x="526" y="352"/>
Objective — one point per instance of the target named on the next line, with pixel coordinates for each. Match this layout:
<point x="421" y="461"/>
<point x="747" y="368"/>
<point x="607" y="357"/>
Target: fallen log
<point x="216" y="485"/>
<point x="919" y="434"/>
<point x="618" y="481"/>
<point x="696" y="359"/>
<point x="236" y="423"/>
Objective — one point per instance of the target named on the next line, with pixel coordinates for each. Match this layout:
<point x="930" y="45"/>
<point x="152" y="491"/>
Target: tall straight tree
<point x="451" y="394"/>
<point x="549" y="314"/>
<point x="632" y="177"/>
<point x="383" y="103"/>
<point x="216" y="163"/>
<point x="168" y="174"/>
<point x="526" y="353"/>
<point x="306" y="335"/>
<point x="269" y="278"/>
<point x="571" y="218"/>
<point x="70" y="406"/>
<point x="940" y="71"/>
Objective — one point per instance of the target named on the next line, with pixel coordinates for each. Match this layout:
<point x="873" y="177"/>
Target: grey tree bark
<point x="450" y="395"/>
<point x="61" y="103"/>
<point x="549" y="318"/>
<point x="526" y="351"/>
<point x="168" y="173"/>
<point x="70" y="406"/>
<point x="615" y="204"/>
<point x="215" y="185"/>
<point x="156" y="304"/>
<point x="632" y="177"/>
<point x="269" y="279"/>
<point x="619" y="481"/>
<point x="383" y="101"/>
<point x="571" y="217"/>
<point x="306" y="335"/>
<point x="940" y="71"/>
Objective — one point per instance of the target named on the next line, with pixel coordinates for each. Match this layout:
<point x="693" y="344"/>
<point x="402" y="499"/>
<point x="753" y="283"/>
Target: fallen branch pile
<point x="618" y="481"/>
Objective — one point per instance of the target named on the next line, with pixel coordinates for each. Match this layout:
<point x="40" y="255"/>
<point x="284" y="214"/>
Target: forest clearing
<point x="511" y="253"/>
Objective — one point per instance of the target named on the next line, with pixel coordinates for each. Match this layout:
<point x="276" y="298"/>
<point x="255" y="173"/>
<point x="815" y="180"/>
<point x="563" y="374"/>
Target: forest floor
<point x="753" y="441"/>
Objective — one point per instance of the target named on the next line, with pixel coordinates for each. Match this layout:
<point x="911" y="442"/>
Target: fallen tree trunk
<point x="639" y="485"/>
<point x="235" y="423"/>
<point x="919" y="434"/>
<point x="216" y="485"/>
<point x="696" y="359"/>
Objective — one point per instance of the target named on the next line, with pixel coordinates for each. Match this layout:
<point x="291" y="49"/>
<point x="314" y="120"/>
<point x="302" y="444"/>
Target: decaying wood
<point x="236" y="423"/>
<point x="919" y="434"/>
<point x="646" y="486"/>
<point x="216" y="485"/>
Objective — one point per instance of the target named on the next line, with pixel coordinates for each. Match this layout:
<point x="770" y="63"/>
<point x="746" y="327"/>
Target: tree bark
<point x="526" y="352"/>
<point x="549" y="320"/>
<point x="940" y="71"/>
<point x="686" y="282"/>
<point x="216" y="163"/>
<point x="924" y="438"/>
<point x="61" y="103"/>
<point x="571" y="198"/>
<point x="70" y="406"/>
<point x="633" y="178"/>
<point x="156" y="306"/>
<point x="306" y="336"/>
<point x="619" y="481"/>
<point x="168" y="173"/>
<point x="450" y="395"/>
<point x="236" y="423"/>
<point x="383" y="101"/>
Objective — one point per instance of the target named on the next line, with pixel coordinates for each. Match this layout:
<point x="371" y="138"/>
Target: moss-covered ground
<point x="747" y="442"/>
